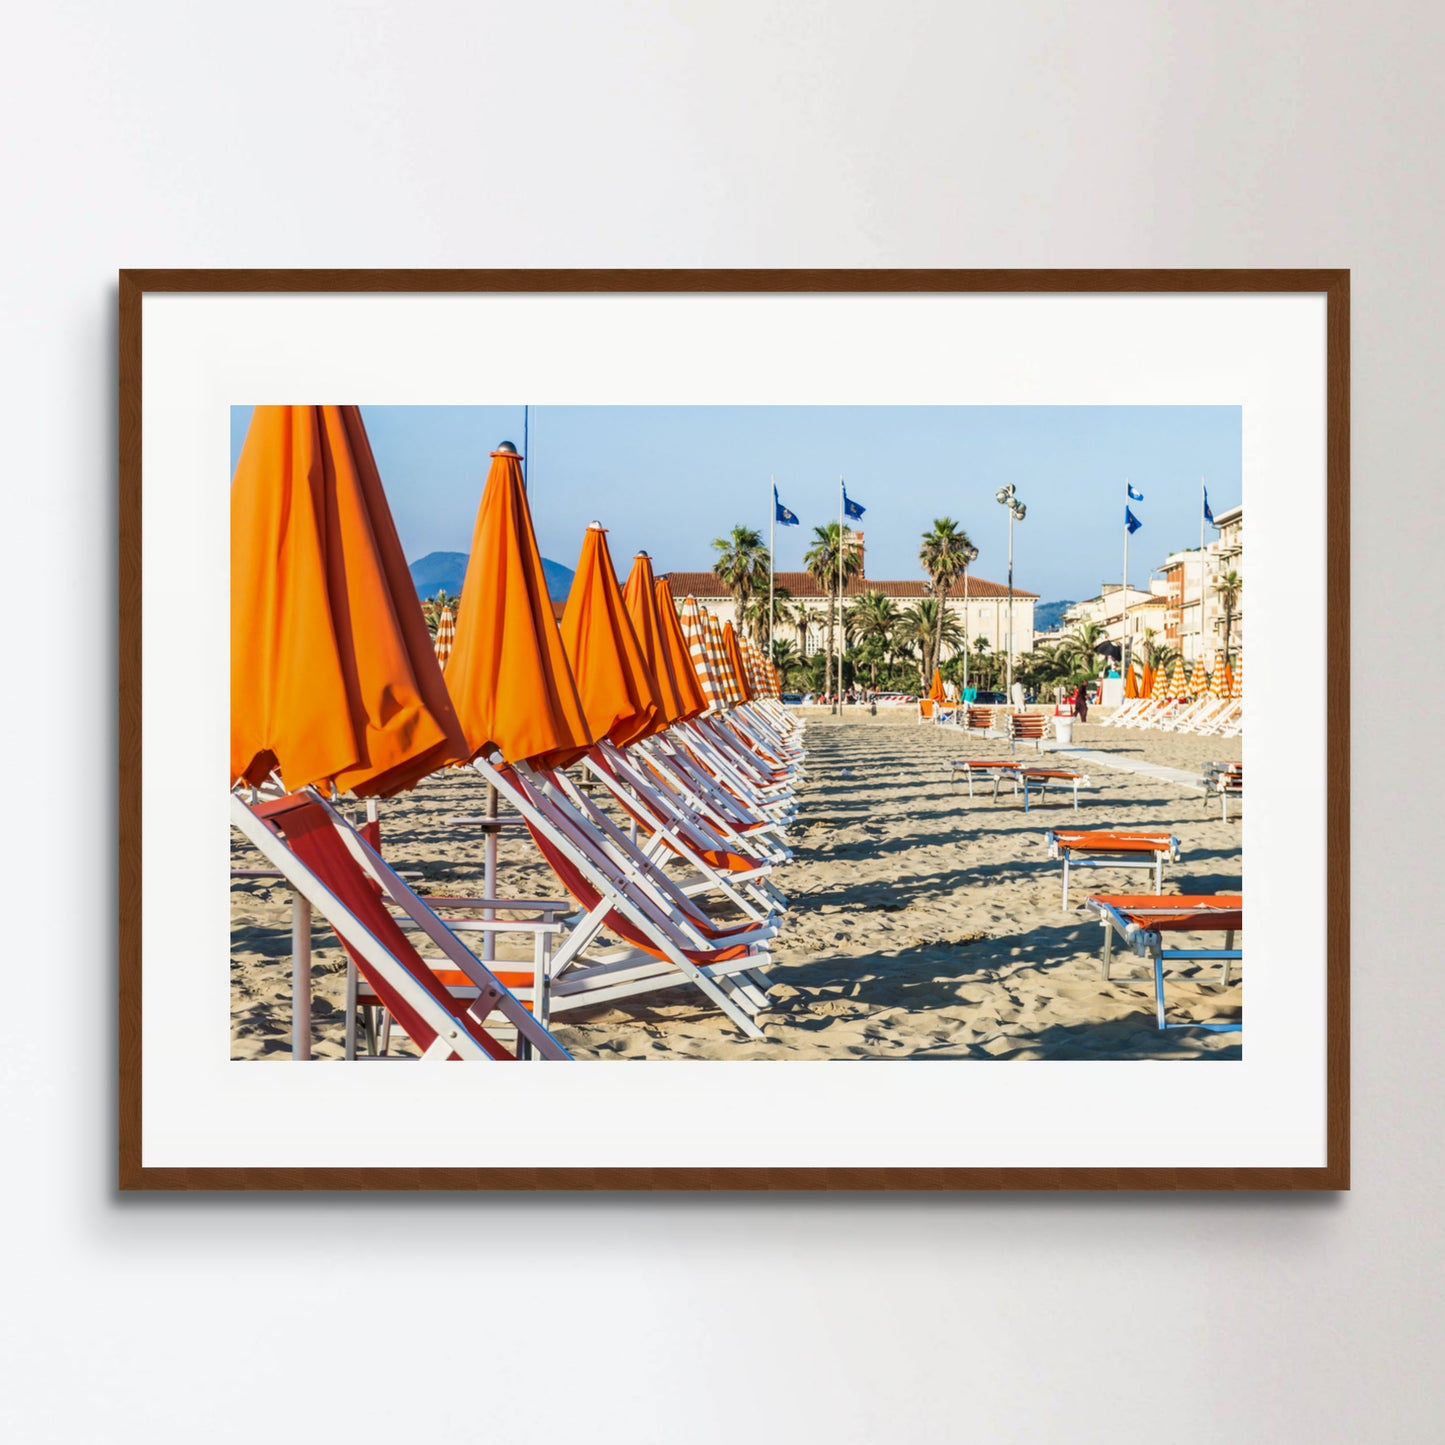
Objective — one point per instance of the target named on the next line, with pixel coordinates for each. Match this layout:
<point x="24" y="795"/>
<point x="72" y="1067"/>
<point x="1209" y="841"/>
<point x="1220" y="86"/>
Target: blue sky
<point x="669" y="479"/>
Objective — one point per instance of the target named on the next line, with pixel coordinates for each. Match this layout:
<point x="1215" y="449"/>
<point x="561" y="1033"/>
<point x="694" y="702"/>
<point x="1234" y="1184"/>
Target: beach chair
<point x="1224" y="781"/>
<point x="978" y="720"/>
<point x="1140" y="922"/>
<point x="1039" y="780"/>
<point x="667" y="941"/>
<point x="971" y="768"/>
<point x="1104" y="848"/>
<point x="327" y="862"/>
<point x="1027" y="727"/>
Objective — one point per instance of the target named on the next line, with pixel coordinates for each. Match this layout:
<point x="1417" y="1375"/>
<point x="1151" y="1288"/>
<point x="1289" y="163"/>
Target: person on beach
<point x="1081" y="702"/>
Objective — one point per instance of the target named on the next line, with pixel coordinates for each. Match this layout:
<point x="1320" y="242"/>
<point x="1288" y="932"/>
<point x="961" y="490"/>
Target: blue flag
<point x="1208" y="515"/>
<point x="1133" y="495"/>
<point x="781" y="513"/>
<point x="1131" y="521"/>
<point x="852" y="509"/>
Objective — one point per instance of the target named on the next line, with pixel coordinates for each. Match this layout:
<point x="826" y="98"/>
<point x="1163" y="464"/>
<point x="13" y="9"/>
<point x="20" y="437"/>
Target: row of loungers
<point x="1208" y="716"/>
<point x="697" y="814"/>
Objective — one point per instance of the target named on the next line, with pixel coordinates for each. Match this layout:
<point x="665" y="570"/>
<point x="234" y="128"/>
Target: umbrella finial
<point x="506" y="449"/>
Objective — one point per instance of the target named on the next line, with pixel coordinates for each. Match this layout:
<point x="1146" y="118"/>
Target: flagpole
<point x="1124" y="625"/>
<point x="772" y="562"/>
<point x="838" y="686"/>
<point x="1202" y="495"/>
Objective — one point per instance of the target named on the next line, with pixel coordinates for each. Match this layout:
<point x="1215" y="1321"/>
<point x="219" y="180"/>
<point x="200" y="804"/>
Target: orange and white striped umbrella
<point x="1159" y="688"/>
<point x="1178" y="683"/>
<point x="752" y="659"/>
<point x="1198" y="679"/>
<point x="1236" y="689"/>
<point x="446" y="635"/>
<point x="732" y="692"/>
<point x="1216" y="676"/>
<point x="699" y="650"/>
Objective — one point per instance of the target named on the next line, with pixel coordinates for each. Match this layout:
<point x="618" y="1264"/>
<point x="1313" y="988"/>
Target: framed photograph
<point x="725" y="681"/>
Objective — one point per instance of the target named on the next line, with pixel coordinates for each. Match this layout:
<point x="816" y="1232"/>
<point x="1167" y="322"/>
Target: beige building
<point x="1120" y="612"/>
<point x="1195" y="620"/>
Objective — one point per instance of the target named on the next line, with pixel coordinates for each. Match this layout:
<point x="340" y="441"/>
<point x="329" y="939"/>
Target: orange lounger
<point x="1141" y="920"/>
<point x="973" y="768"/>
<point x="1106" y="849"/>
<point x="1040" y="780"/>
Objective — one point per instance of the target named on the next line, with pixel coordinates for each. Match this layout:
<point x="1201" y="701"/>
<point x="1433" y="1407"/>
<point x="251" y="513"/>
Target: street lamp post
<point x="1007" y="497"/>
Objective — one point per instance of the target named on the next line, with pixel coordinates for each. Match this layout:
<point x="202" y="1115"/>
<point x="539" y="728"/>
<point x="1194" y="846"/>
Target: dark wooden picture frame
<point x="1333" y="285"/>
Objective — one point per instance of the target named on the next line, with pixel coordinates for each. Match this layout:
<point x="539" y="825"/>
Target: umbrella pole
<point x="489" y="873"/>
<point x="300" y="978"/>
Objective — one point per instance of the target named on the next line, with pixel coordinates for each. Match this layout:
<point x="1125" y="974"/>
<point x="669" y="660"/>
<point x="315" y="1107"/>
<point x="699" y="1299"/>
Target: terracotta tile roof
<point x="703" y="585"/>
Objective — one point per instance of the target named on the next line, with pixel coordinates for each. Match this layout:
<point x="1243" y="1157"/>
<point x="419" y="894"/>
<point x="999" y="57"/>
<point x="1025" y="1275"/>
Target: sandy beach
<point x="923" y="924"/>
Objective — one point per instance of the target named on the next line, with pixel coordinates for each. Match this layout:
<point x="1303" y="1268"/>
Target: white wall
<point x="1033" y="134"/>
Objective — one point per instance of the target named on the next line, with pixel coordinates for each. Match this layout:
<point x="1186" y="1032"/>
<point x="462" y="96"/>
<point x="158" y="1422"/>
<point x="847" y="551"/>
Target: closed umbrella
<point x="736" y="665"/>
<point x="333" y="677"/>
<point x="1198" y="679"/>
<point x="670" y="630"/>
<point x="936" y="691"/>
<point x="717" y="642"/>
<point x="446" y="635"/>
<point x="509" y="675"/>
<point x="1178" y="684"/>
<point x="706" y="666"/>
<point x="1131" y="688"/>
<point x="1236" y="682"/>
<point x="639" y="598"/>
<point x="618" y="693"/>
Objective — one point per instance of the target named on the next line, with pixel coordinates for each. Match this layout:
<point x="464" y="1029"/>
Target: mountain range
<point x="445" y="572"/>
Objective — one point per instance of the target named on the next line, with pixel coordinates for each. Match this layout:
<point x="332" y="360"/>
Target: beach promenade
<point x="924" y="925"/>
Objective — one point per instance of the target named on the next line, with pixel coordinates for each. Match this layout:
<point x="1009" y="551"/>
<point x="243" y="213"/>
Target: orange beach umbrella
<point x="669" y="624"/>
<point x="333" y="677"/>
<point x="718" y="646"/>
<point x="1177" y="684"/>
<point x="508" y="674"/>
<point x="936" y="691"/>
<point x="1236" y="681"/>
<point x="641" y="603"/>
<point x="736" y="663"/>
<point x="619" y="695"/>
<point x="1131" y="688"/>
<point x="1198" y="679"/>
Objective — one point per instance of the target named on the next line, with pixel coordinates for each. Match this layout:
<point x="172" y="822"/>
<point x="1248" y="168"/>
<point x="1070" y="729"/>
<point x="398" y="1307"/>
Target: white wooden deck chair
<point x="327" y="862"/>
<point x="664" y="944"/>
<point x="665" y="835"/>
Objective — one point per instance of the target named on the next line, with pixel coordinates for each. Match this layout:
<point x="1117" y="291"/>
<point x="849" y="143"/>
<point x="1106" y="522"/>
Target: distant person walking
<point x="1081" y="702"/>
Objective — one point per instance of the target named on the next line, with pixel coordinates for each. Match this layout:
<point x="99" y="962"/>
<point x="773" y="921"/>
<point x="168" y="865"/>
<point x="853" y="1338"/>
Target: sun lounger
<point x="1140" y="922"/>
<point x="972" y="768"/>
<point x="1102" y="848"/>
<point x="1028" y="727"/>
<point x="339" y="874"/>
<point x="667" y="941"/>
<point x="1039" y="780"/>
<point x="979" y="720"/>
<point x="1224" y="781"/>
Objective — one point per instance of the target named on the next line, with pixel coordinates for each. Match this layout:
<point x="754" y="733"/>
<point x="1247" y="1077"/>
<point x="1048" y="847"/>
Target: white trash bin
<point x="1064" y="731"/>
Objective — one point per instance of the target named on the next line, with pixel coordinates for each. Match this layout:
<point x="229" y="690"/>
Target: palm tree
<point x="970" y="556"/>
<point x="755" y="613"/>
<point x="1078" y="653"/>
<point x="945" y="554"/>
<point x="786" y="659"/>
<point x="742" y="564"/>
<point x="1227" y="589"/>
<point x="823" y="560"/>
<point x="431" y="609"/>
<point x="922" y="627"/>
<point x="873" y="618"/>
